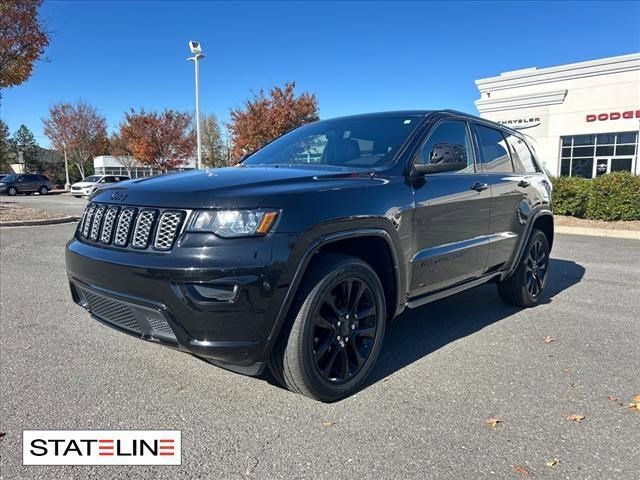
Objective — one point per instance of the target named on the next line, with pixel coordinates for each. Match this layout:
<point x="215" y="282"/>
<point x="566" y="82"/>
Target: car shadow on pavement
<point x="417" y="333"/>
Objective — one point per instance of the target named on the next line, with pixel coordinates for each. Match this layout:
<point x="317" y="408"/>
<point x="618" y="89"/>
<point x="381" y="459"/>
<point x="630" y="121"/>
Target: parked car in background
<point x="300" y="265"/>
<point x="27" y="183"/>
<point x="89" y="185"/>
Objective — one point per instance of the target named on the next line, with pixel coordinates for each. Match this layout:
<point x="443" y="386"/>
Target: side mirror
<point x="444" y="157"/>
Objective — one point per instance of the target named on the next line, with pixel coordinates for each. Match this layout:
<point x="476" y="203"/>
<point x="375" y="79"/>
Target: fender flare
<point x="305" y="260"/>
<point x="525" y="239"/>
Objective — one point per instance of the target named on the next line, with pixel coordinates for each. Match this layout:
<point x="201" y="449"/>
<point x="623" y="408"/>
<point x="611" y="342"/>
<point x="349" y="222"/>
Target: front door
<point x="451" y="218"/>
<point x="605" y="165"/>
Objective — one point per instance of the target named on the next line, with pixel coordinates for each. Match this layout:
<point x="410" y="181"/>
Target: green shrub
<point x="571" y="196"/>
<point x="615" y="196"/>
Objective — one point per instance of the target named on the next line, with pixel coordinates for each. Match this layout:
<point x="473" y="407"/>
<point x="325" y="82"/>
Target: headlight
<point x="233" y="223"/>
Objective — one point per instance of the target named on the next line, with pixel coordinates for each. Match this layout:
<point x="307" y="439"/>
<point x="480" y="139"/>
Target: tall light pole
<point x="196" y="49"/>
<point x="67" y="185"/>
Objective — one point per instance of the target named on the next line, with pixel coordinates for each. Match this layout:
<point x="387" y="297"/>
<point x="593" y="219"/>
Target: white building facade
<point x="584" y="118"/>
<point x="112" y="165"/>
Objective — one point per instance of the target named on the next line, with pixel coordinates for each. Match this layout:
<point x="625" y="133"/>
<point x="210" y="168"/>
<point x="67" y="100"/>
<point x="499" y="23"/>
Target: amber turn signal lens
<point x="266" y="223"/>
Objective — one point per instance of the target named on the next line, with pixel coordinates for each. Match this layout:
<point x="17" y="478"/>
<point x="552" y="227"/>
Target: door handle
<point x="523" y="183"/>
<point x="478" y="187"/>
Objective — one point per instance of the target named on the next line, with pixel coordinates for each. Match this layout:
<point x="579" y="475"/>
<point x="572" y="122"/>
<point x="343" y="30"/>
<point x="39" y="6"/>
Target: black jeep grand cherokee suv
<point x="300" y="256"/>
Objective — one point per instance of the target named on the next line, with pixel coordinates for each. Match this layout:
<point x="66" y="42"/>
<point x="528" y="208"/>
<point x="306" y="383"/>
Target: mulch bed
<point x="581" y="222"/>
<point x="11" y="212"/>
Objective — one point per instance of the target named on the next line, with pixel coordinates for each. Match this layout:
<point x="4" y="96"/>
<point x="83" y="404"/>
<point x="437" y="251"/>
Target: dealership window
<point x="593" y="155"/>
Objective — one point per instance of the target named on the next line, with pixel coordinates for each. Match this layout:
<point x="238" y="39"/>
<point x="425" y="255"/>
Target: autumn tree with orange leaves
<point x="22" y="40"/>
<point x="162" y="140"/>
<point x="77" y="130"/>
<point x="264" y="118"/>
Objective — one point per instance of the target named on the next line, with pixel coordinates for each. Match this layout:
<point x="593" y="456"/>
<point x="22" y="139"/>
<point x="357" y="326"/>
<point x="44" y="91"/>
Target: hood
<point x="83" y="184"/>
<point x="230" y="187"/>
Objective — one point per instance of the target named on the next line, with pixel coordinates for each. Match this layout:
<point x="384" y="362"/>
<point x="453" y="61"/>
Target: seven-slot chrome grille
<point x="131" y="227"/>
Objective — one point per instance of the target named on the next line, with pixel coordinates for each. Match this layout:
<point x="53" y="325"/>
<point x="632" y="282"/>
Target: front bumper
<point x="154" y="296"/>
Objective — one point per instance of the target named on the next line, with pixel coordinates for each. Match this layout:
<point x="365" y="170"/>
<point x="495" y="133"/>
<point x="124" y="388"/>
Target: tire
<point x="78" y="196"/>
<point x="525" y="287"/>
<point x="11" y="191"/>
<point x="43" y="190"/>
<point x="313" y="355"/>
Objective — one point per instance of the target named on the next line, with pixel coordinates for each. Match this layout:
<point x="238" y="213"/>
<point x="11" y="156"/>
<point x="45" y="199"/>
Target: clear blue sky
<point x="356" y="57"/>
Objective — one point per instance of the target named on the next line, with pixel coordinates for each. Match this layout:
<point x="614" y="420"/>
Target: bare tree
<point x="119" y="149"/>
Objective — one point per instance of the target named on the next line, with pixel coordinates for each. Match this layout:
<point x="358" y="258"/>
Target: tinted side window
<point x="495" y="156"/>
<point x="31" y="178"/>
<point x="521" y="155"/>
<point x="449" y="141"/>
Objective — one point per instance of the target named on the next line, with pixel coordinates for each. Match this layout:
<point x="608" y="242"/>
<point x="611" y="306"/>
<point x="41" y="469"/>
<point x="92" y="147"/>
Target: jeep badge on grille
<point x="119" y="196"/>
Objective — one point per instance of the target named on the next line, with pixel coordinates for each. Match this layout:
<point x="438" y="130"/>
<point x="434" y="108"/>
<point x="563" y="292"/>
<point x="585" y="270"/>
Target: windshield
<point x="92" y="179"/>
<point x="10" y="178"/>
<point x="367" y="142"/>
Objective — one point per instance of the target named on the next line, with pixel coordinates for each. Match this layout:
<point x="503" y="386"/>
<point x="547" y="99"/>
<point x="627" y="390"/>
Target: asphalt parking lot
<point x="444" y="369"/>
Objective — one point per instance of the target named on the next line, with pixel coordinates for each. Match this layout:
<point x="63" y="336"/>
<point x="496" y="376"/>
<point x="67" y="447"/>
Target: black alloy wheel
<point x="525" y="286"/>
<point x="334" y="333"/>
<point x="346" y="324"/>
<point x="536" y="265"/>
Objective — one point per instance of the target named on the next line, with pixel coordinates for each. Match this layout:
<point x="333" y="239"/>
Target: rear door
<point x="512" y="194"/>
<point x="30" y="183"/>
<point x="451" y="217"/>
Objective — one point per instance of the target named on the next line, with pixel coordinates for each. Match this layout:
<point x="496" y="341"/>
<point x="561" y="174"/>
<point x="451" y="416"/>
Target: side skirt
<point x="433" y="296"/>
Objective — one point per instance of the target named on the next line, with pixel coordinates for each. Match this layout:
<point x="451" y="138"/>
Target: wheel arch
<point x="541" y="219"/>
<point x="345" y="241"/>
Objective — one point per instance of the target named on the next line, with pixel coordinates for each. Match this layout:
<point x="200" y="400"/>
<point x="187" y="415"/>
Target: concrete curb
<point x="599" y="232"/>
<point x="44" y="221"/>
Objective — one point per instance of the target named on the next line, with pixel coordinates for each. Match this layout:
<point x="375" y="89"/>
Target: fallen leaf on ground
<point x="553" y="462"/>
<point x="574" y="384"/>
<point x="549" y="339"/>
<point x="566" y="370"/>
<point x="636" y="402"/>
<point x="575" y="418"/>
<point x="493" y="421"/>
<point x="2" y="434"/>
<point x="613" y="398"/>
<point x="328" y="424"/>
<point x="520" y="469"/>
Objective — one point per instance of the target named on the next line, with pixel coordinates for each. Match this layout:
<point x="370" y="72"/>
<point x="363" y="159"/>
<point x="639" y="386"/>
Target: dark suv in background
<point x="25" y="183"/>
<point x="300" y="257"/>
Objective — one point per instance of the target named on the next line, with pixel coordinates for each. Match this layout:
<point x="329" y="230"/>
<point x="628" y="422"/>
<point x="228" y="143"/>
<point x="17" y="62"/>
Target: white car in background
<point x="88" y="185"/>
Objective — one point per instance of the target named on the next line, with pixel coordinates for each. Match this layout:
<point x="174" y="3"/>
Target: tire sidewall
<point x="323" y="389"/>
<point x="12" y="191"/>
<point x="43" y="190"/>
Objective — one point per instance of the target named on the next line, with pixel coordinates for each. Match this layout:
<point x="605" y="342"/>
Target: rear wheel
<point x="11" y="191"/>
<point x="331" y="345"/>
<point x="43" y="190"/>
<point x="525" y="286"/>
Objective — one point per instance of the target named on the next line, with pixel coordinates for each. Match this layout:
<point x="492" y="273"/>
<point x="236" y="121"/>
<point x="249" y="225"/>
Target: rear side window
<point x="495" y="155"/>
<point x="521" y="155"/>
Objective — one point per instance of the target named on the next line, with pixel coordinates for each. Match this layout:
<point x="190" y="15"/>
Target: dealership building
<point x="583" y="117"/>
<point x="112" y="165"/>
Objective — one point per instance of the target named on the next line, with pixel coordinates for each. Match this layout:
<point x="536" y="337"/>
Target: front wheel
<point x="11" y="191"/>
<point x="331" y="345"/>
<point x="525" y="286"/>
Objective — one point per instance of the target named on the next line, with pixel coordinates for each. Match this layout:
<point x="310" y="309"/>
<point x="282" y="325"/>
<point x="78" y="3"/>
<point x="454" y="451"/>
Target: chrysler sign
<point x="603" y="117"/>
